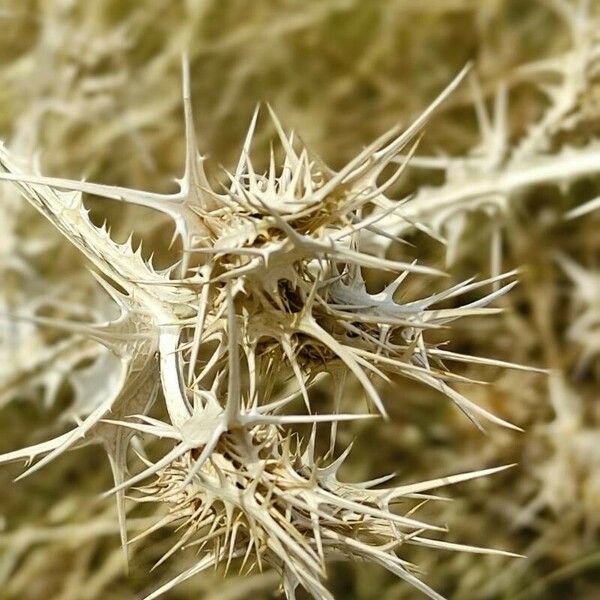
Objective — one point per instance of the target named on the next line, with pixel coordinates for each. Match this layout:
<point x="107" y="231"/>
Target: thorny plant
<point x="556" y="151"/>
<point x="571" y="111"/>
<point x="496" y="172"/>
<point x="268" y="298"/>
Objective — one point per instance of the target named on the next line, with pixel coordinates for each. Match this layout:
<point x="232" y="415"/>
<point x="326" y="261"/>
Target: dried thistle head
<point x="270" y="289"/>
<point x="262" y="499"/>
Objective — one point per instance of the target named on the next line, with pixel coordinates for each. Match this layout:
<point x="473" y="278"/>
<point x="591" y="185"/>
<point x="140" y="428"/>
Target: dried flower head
<point x="270" y="290"/>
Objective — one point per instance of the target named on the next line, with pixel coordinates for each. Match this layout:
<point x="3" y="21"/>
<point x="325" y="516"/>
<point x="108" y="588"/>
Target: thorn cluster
<point x="269" y="297"/>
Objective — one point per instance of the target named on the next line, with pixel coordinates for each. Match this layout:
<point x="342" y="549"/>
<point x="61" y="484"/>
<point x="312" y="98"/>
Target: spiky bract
<point x="270" y="292"/>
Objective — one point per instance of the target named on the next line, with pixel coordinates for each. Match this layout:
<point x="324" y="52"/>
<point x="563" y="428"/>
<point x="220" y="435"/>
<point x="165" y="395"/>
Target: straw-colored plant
<point x="93" y="89"/>
<point x="269" y="297"/>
